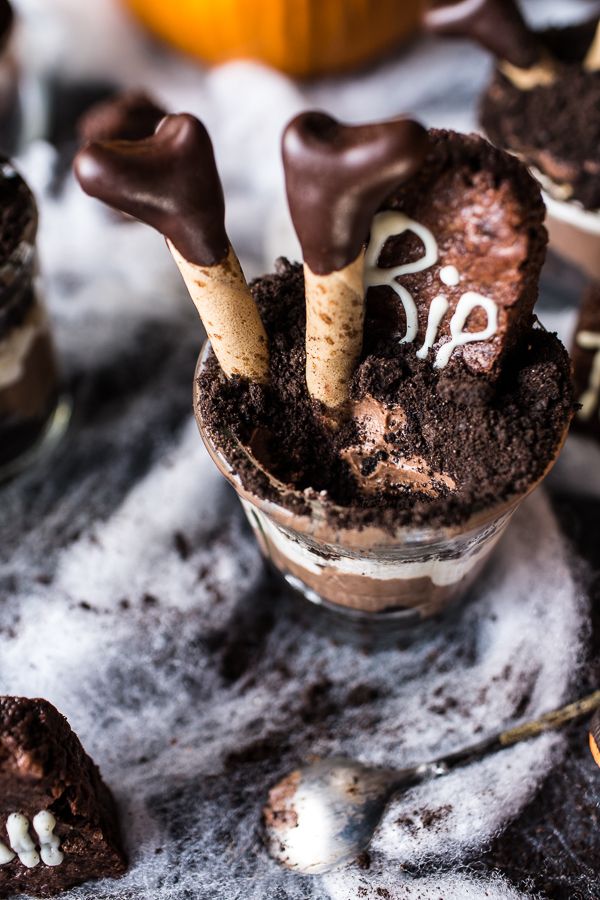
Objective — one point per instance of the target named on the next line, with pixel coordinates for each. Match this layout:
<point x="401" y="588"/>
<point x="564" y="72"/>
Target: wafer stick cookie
<point x="170" y="181"/>
<point x="498" y="26"/>
<point x="336" y="178"/>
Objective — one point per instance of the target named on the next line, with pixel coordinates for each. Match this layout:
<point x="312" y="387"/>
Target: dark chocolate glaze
<point x="169" y="181"/>
<point x="7" y="18"/>
<point x="497" y="25"/>
<point x="127" y="116"/>
<point x="337" y="176"/>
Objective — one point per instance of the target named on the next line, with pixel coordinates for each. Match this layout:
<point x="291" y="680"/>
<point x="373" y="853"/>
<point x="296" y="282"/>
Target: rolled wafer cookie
<point x="592" y="57"/>
<point x="170" y="181"/>
<point x="498" y="26"/>
<point x="336" y="178"/>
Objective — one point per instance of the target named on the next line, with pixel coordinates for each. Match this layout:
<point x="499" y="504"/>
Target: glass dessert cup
<point x="369" y="573"/>
<point x="34" y="412"/>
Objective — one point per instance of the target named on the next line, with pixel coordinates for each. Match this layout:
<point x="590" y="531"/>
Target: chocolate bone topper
<point x="461" y="246"/>
<point x="126" y="116"/>
<point x="595" y="737"/>
<point x="585" y="354"/>
<point x="336" y="178"/>
<point x="498" y="26"/>
<point x="170" y="181"/>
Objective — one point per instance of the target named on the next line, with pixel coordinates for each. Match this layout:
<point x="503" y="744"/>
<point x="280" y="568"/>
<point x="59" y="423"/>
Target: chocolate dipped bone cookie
<point x="336" y="178"/>
<point x="459" y="249"/>
<point x="58" y="821"/>
<point x="127" y="116"/>
<point x="498" y="26"/>
<point x="585" y="353"/>
<point x="170" y="181"/>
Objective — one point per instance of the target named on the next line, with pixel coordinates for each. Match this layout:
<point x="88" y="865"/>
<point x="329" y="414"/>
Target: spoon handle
<point x="507" y="738"/>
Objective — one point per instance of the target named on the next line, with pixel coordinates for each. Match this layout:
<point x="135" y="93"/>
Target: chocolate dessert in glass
<point x="382" y="409"/>
<point x="542" y="104"/>
<point x="32" y="412"/>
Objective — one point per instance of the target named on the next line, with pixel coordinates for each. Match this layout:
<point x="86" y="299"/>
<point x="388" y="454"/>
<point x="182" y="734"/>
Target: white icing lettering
<point x="390" y="224"/>
<point x="449" y="275"/>
<point x="589" y="340"/>
<point x="17" y="827"/>
<point x="437" y="311"/>
<point x="385" y="225"/>
<point x="44" y="824"/>
<point x="410" y="311"/>
<point x="465" y="306"/>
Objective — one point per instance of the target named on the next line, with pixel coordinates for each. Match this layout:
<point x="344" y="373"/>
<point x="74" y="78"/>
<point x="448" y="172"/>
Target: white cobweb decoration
<point x="135" y="600"/>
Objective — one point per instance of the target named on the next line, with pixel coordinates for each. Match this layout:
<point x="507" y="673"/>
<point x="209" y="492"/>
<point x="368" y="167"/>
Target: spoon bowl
<point x="323" y="815"/>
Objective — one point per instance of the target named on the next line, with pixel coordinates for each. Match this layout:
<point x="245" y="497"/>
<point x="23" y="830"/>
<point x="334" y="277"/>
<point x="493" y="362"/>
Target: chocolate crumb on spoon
<point x="498" y="26"/>
<point x="337" y="176"/>
<point x="170" y="181"/>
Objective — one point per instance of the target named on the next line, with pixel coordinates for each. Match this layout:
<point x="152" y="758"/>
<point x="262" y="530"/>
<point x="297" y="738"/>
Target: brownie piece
<point x="555" y="127"/>
<point x="58" y="820"/>
<point x="486" y="214"/>
<point x="585" y="354"/>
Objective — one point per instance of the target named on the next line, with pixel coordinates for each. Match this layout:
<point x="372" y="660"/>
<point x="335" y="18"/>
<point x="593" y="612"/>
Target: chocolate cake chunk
<point x="585" y="353"/>
<point x="473" y="226"/>
<point x="556" y="127"/>
<point x="128" y="116"/>
<point x="58" y="821"/>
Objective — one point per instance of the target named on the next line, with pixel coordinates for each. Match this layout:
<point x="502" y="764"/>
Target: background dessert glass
<point x="368" y="573"/>
<point x="33" y="412"/>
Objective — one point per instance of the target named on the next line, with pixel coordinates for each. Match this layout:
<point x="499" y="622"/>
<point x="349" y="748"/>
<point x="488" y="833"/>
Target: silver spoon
<point x="324" y="814"/>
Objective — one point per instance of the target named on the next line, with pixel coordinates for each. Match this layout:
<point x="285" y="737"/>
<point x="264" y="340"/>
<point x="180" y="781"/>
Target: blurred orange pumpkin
<point x="300" y="37"/>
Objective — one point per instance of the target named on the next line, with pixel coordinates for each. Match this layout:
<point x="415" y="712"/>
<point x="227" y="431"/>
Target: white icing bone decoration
<point x="17" y="827"/>
<point x="44" y="824"/>
<point x="389" y="224"/>
<point x="589" y="340"/>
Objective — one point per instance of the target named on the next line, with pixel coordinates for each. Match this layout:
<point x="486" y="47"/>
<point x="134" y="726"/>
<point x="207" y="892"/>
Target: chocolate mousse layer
<point x="556" y="127"/>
